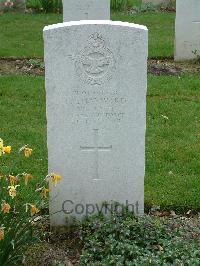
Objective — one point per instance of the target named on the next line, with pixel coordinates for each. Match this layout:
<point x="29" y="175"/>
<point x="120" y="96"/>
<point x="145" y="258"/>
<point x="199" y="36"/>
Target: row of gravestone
<point x="187" y="27"/>
<point x="96" y="81"/>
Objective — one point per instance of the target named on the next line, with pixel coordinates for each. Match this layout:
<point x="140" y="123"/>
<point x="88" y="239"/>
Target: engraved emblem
<point x="95" y="63"/>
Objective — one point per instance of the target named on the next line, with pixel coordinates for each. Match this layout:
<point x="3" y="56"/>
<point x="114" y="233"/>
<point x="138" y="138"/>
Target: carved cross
<point x="96" y="149"/>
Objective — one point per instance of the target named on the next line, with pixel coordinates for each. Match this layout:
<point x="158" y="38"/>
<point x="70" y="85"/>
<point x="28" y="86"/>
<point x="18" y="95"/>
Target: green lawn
<point x="161" y="31"/>
<point x="22" y="105"/>
<point x="172" y="145"/>
<point x="21" y="34"/>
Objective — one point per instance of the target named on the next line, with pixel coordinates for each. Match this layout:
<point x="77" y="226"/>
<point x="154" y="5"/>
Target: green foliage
<point x="124" y="239"/>
<point x="119" y="5"/>
<point x="18" y="235"/>
<point x="17" y="210"/>
<point x="12" y="6"/>
<point x="35" y="62"/>
<point x="17" y="224"/>
<point x="172" y="3"/>
<point x="46" y="6"/>
<point x="147" y="7"/>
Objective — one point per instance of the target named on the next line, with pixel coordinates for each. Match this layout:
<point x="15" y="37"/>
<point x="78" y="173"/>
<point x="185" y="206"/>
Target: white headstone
<point x="187" y="36"/>
<point x="96" y="81"/>
<point x="156" y="2"/>
<point x="75" y="10"/>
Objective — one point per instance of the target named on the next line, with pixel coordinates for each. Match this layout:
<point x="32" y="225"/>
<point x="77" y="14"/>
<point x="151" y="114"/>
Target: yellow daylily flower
<point x="26" y="178"/>
<point x="7" y="149"/>
<point x="1" y="147"/>
<point x="14" y="180"/>
<point x="27" y="152"/>
<point x="55" y="179"/>
<point x="5" y="207"/>
<point x="1" y="233"/>
<point x="45" y="191"/>
<point x="34" y="209"/>
<point x="1" y="175"/>
<point x="12" y="191"/>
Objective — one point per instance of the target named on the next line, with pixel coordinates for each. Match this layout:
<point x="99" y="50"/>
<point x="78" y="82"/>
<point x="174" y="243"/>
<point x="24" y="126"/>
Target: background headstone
<point x="75" y="10"/>
<point x="156" y="2"/>
<point x="187" y="32"/>
<point x="96" y="81"/>
<point x="12" y="6"/>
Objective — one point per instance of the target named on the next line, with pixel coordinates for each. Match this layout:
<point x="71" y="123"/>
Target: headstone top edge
<point x="94" y="22"/>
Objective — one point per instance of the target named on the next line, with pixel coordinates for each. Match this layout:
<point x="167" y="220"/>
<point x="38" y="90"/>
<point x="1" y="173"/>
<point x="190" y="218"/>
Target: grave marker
<point x="96" y="80"/>
<point x="75" y="10"/>
<point x="187" y="30"/>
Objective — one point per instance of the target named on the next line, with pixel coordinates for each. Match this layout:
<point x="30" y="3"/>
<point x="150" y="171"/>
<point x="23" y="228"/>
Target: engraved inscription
<point x="95" y="63"/>
<point x="96" y="149"/>
<point x="103" y="105"/>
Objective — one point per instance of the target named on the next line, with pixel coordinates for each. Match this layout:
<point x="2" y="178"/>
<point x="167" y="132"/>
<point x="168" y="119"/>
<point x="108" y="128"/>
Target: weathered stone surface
<point x="96" y="80"/>
<point x="75" y="10"/>
<point x="187" y="36"/>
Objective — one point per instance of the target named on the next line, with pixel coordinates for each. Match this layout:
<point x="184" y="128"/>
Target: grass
<point x="173" y="158"/>
<point x="172" y="145"/>
<point x="161" y="31"/>
<point x="21" y="34"/>
<point x="23" y="121"/>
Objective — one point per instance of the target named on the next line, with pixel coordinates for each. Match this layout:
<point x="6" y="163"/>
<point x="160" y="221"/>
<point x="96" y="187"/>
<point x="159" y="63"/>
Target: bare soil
<point x="19" y="66"/>
<point x="169" y="67"/>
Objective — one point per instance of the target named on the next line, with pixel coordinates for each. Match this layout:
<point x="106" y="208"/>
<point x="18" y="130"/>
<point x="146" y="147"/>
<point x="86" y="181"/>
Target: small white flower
<point x="165" y="117"/>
